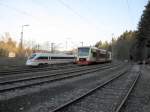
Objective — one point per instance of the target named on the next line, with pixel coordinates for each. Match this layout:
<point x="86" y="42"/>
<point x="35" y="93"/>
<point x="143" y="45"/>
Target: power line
<point x="19" y="11"/>
<point x="71" y="9"/>
<point x="76" y="13"/>
<point x="15" y="9"/>
<point x="129" y="10"/>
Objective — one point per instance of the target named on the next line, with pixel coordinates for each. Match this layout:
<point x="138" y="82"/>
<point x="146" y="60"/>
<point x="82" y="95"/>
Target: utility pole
<point x="66" y="45"/>
<point x="112" y="46"/>
<point x="38" y="46"/>
<point x="21" y="40"/>
<point x="52" y="47"/>
<point x="81" y="44"/>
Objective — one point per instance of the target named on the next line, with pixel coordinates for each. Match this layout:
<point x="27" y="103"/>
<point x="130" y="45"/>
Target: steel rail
<point x="54" y="78"/>
<point x="27" y="76"/>
<point x="128" y="93"/>
<point x="37" y="69"/>
<point x="89" y="92"/>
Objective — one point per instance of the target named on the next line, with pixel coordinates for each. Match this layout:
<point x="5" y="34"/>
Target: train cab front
<point x="31" y="61"/>
<point x="83" y="56"/>
<point x="83" y="61"/>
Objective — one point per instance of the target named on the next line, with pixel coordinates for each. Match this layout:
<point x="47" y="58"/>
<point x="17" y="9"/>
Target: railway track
<point x="109" y="96"/>
<point x="18" y="77"/>
<point x="25" y="69"/>
<point x="10" y="83"/>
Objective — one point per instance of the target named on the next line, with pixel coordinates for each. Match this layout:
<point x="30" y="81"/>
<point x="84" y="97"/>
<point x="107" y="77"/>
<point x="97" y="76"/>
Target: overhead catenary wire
<point x="129" y="12"/>
<point x="77" y="14"/>
<point x="16" y="10"/>
<point x="22" y="12"/>
<point x="35" y="18"/>
<point x="71" y="9"/>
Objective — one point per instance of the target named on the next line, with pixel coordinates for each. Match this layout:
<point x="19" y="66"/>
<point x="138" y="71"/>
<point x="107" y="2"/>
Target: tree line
<point x="121" y="47"/>
<point x="132" y="45"/>
<point x="7" y="45"/>
<point x="143" y="35"/>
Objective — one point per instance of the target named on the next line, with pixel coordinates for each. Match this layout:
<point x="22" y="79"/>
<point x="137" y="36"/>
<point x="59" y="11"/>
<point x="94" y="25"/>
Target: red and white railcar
<point x="90" y="55"/>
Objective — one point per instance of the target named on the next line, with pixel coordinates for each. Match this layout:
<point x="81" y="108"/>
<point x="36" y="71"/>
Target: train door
<point x="49" y="60"/>
<point x="102" y="56"/>
<point x="98" y="58"/>
<point x="93" y="55"/>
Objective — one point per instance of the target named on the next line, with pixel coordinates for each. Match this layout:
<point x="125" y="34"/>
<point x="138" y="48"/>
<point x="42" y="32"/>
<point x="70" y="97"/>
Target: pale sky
<point x="67" y="23"/>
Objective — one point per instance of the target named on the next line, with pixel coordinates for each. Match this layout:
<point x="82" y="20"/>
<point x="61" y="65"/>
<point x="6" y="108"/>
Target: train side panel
<point x="90" y="55"/>
<point x="47" y="58"/>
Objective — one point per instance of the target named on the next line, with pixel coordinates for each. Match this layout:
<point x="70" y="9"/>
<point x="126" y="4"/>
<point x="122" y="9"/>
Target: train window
<point x="83" y="51"/>
<point x="102" y="55"/>
<point x="68" y="57"/>
<point x="108" y="55"/>
<point x="32" y="56"/>
<point x="43" y="57"/>
<point x="62" y="57"/>
<point x="94" y="54"/>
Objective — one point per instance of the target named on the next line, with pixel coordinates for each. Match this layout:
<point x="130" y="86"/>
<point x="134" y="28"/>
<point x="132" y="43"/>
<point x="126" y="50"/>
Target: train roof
<point x="54" y="54"/>
<point x="92" y="48"/>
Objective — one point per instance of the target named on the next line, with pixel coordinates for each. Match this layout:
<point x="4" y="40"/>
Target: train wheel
<point x="41" y="65"/>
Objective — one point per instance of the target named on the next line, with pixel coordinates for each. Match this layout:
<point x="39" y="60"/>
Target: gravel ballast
<point x="139" y="100"/>
<point x="48" y="96"/>
<point x="107" y="98"/>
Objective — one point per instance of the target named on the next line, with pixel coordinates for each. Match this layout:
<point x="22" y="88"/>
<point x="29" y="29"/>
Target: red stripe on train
<point x="84" y="62"/>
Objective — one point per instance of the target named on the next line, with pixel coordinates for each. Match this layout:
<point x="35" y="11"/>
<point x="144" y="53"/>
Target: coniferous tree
<point x="143" y="34"/>
<point x="122" y="47"/>
<point x="144" y="24"/>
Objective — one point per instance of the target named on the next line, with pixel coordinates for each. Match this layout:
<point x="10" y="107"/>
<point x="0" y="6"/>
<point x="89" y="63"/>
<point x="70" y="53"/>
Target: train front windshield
<point x="32" y="56"/>
<point x="83" y="51"/>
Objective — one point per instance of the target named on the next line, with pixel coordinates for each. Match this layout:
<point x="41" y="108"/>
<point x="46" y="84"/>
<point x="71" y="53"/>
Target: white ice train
<point x="38" y="59"/>
<point x="89" y="55"/>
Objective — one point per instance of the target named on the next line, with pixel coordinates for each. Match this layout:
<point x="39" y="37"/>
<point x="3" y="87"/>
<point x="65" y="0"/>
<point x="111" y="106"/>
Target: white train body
<point x="89" y="55"/>
<point x="37" y="59"/>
